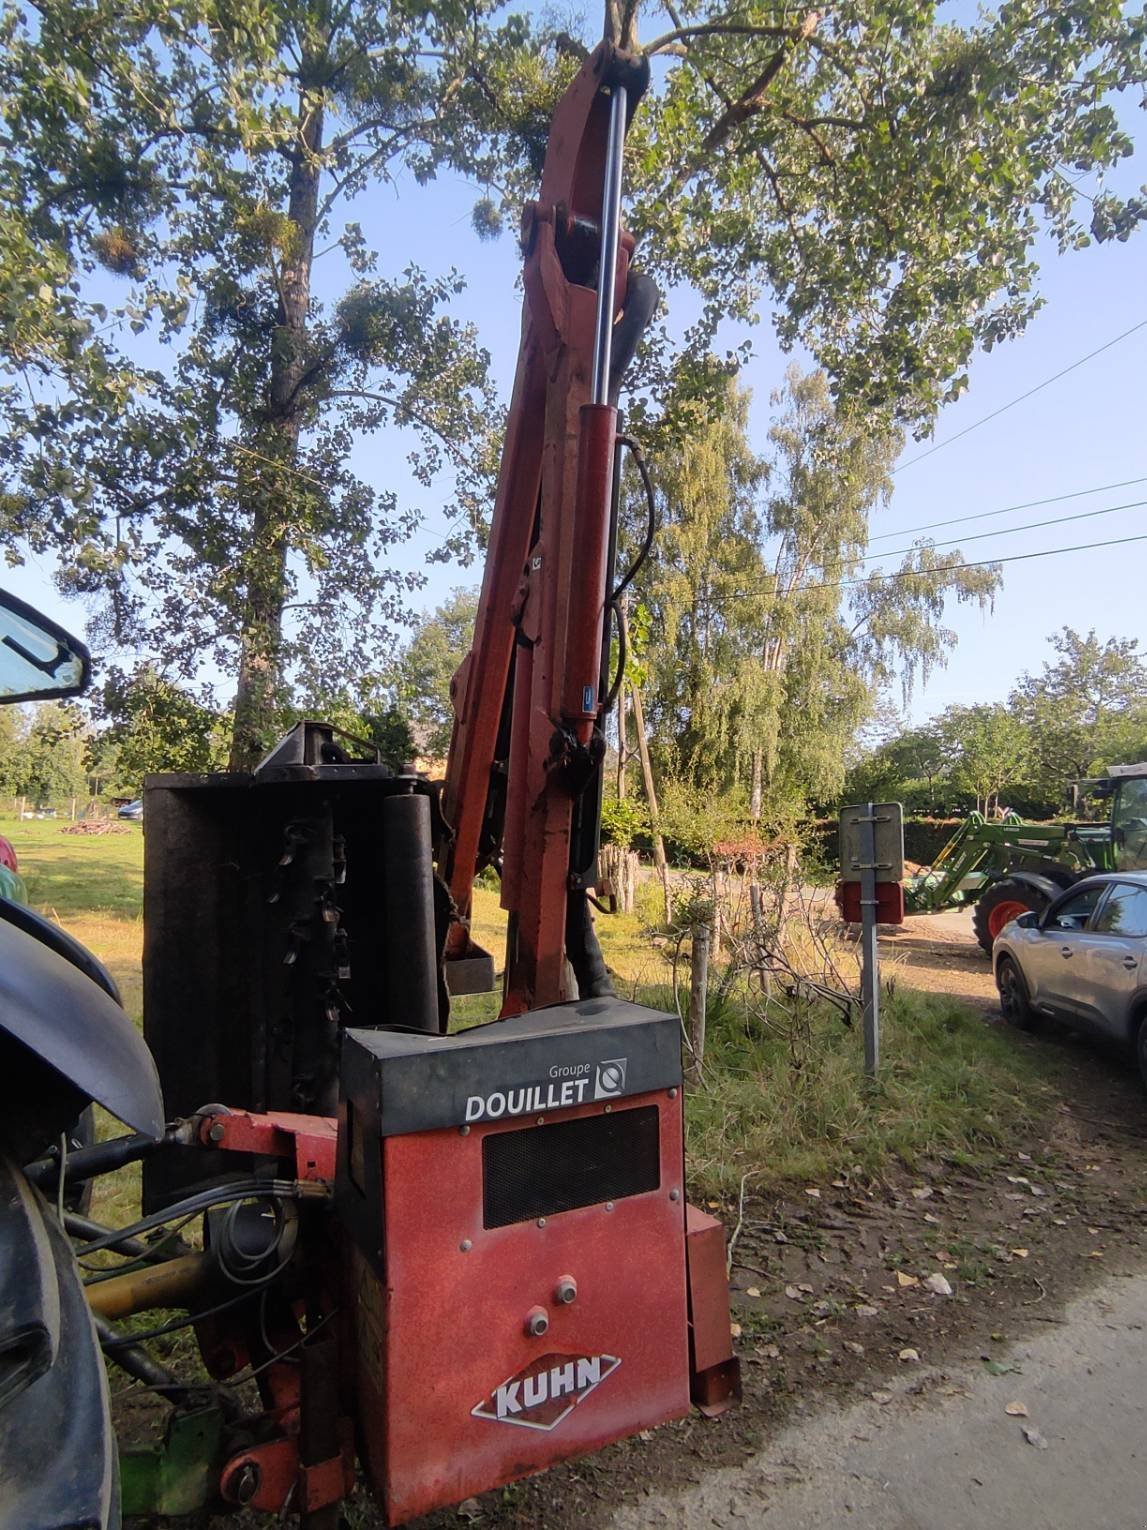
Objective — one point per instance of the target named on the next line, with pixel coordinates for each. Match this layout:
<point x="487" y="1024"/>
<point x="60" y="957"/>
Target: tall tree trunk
<point x="659" y="860"/>
<point x="755" y="792"/>
<point x="622" y="742"/>
<point x="260" y="659"/>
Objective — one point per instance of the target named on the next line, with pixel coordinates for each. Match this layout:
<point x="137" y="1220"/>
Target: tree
<point x="990" y="748"/>
<point x="704" y="594"/>
<point x="774" y="640"/>
<point x="150" y="725"/>
<point x="909" y="767"/>
<point x="1086" y="708"/>
<point x="877" y="175"/>
<point x="426" y="668"/>
<point x="202" y="155"/>
<point x="48" y="761"/>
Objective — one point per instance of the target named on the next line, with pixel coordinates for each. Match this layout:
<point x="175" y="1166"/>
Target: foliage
<point x="878" y="175"/>
<point x="426" y="667"/>
<point x="42" y="757"/>
<point x="194" y="162"/>
<point x="990" y="749"/>
<point x="695" y="817"/>
<point x="774" y="641"/>
<point x="1086" y="708"/>
<point x="623" y="820"/>
<point x="912" y="768"/>
<point x="150" y="724"/>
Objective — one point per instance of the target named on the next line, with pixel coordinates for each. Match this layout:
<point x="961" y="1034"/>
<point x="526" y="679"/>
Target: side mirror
<point x="38" y="660"/>
<point x="1028" y="921"/>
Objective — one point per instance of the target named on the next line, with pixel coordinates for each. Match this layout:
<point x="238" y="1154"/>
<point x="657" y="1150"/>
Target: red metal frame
<point x="308" y="1142"/>
<point x="541" y="616"/>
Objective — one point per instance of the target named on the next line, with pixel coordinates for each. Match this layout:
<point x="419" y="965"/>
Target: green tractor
<point x="1007" y="867"/>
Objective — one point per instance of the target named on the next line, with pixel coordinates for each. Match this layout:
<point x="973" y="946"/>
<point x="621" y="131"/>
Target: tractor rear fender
<point x="1050" y="887"/>
<point x="53" y="1013"/>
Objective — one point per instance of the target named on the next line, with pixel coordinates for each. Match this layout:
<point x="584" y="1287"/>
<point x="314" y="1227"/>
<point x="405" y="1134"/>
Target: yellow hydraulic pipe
<point x="170" y="1284"/>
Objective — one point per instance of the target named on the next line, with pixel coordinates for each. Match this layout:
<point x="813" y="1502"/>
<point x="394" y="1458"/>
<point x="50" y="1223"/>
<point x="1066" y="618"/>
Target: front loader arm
<point x="527" y="739"/>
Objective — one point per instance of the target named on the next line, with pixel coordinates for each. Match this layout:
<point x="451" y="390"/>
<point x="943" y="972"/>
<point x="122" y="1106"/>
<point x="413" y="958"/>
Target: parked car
<point x="132" y="810"/>
<point x="1083" y="961"/>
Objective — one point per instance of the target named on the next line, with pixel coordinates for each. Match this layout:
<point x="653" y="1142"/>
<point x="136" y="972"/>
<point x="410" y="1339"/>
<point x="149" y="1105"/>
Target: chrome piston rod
<point x="610" y="239"/>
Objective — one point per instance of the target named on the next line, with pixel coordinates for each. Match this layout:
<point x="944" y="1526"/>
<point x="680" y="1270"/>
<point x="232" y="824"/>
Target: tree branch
<point x="713" y="29"/>
<point x="748" y="103"/>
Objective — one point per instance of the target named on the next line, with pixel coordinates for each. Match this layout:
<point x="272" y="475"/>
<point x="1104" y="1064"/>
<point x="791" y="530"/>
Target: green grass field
<point x="951" y="1086"/>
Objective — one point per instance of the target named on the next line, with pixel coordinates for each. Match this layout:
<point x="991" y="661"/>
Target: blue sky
<point x="1083" y="431"/>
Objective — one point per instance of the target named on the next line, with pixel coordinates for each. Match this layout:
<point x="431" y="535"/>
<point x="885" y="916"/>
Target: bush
<point x="623" y="820"/>
<point x="950" y="1087"/>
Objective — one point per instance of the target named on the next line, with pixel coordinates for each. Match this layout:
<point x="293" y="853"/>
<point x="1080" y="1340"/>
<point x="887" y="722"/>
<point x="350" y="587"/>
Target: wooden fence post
<point x="698" y="990"/>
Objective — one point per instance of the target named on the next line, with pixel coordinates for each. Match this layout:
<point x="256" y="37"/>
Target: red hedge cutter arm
<point x="523" y="777"/>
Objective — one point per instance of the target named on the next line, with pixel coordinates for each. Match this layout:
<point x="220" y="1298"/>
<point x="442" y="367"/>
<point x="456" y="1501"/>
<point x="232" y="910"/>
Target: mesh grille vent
<point x="541" y="1170"/>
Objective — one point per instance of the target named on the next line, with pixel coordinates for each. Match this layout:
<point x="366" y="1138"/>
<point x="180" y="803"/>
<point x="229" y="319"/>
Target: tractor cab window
<point x="38" y="660"/>
<point x="1129" y="826"/>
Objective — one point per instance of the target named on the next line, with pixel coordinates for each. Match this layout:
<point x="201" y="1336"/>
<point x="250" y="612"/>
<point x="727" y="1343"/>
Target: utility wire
<point x="1007" y="531"/>
<point x="983" y="515"/>
<point x="1047" y="382"/>
<point x="876" y="577"/>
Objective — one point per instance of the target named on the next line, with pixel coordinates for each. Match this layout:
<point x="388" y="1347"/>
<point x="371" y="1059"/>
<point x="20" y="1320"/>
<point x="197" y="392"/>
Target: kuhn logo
<point x="610" y="1078"/>
<point x="548" y="1390"/>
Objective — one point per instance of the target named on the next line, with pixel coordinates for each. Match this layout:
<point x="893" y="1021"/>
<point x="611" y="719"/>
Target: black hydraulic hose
<point x="163" y="1249"/>
<point x="136" y="1361"/>
<point x="583" y="951"/>
<point x="87" y="1163"/>
<point x="651" y="525"/>
<point x="641" y="299"/>
<point x="613" y="603"/>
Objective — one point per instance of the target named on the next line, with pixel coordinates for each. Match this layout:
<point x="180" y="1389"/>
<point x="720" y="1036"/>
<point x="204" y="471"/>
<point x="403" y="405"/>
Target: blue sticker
<point x="587" y="699"/>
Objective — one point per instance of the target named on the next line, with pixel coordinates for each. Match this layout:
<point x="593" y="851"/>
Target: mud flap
<point x="715" y="1372"/>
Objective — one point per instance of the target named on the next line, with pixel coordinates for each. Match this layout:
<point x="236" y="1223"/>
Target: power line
<point x="1007" y="531"/>
<point x="945" y="568"/>
<point x="983" y="515"/>
<point x="947" y="441"/>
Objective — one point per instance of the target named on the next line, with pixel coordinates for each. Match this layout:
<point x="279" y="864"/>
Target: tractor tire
<point x="1003" y="902"/>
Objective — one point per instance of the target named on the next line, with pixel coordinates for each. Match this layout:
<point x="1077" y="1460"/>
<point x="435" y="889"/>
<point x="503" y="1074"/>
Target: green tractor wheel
<point x="1003" y="902"/>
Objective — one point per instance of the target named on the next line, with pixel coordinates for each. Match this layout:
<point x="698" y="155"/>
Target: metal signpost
<point x="871" y="852"/>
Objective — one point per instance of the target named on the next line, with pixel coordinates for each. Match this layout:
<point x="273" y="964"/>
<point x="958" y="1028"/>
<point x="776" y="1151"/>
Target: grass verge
<point x="950" y="1087"/>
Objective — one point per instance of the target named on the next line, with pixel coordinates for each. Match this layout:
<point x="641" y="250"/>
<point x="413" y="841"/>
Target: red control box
<point x="518" y="1287"/>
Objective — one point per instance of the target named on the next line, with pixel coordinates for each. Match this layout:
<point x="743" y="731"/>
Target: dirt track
<point x="937" y="953"/>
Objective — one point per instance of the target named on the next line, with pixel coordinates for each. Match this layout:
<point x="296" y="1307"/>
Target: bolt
<point x="566" y="1290"/>
<point x="674" y="1195"/>
<point x="463" y="1131"/>
<point x="465" y="1246"/>
<point x="609" y="1205"/>
<point x="541" y="1121"/>
<point x="216" y="1132"/>
<point x="536" y="562"/>
<point x="246" y="1483"/>
<point x="541" y="1221"/>
<point x="673" y="1094"/>
<point x="537" y="1322"/>
<point x="608" y="1109"/>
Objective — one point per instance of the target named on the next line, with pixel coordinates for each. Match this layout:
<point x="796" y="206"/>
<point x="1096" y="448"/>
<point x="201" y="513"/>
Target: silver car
<point x="1083" y="961"/>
